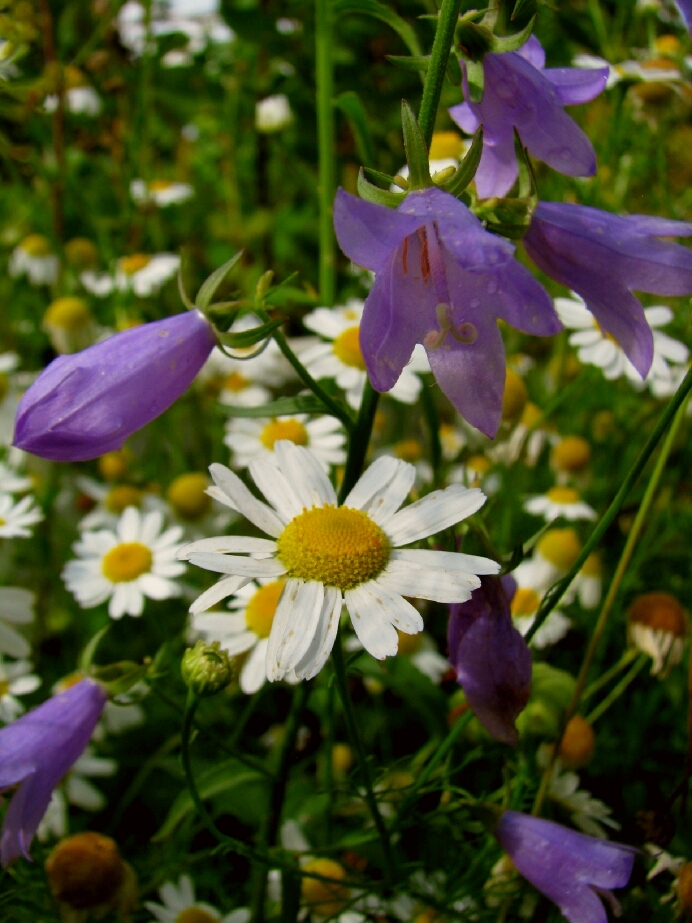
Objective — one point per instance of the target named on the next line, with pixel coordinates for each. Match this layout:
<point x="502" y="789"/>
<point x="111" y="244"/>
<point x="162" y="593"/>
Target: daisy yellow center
<point x="478" y="464"/>
<point x="562" y="495"/>
<point x="347" y="348"/>
<point x="571" y="454"/>
<point x="81" y="252"/>
<point x="592" y="566"/>
<point x="235" y="382"/>
<point x="4" y="386"/>
<point x="446" y="144"/>
<point x="337" y="546"/>
<point x="74" y="78"/>
<point x="560" y="547"/>
<point x="293" y="430"/>
<point x="2" y="521"/>
<point x="4" y="687"/>
<point x="132" y="264"/>
<point x="325" y="898"/>
<point x="409" y="449"/>
<point x="126" y="562"/>
<point x="524" y="602"/>
<point x="259" y="614"/>
<point x="531" y="414"/>
<point x="71" y="314"/>
<point x="36" y="245"/>
<point x="188" y="497"/>
<point x="120" y="497"/>
<point x="159" y="185"/>
<point x="195" y="915"/>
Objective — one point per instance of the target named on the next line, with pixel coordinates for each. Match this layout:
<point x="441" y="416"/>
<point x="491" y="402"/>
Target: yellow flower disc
<point x="159" y="185"/>
<point x="126" y="562"/>
<point x="409" y="449"/>
<point x="592" y="566"/>
<point x="132" y="264"/>
<point x="235" y="382"/>
<point x="347" y="348"/>
<point x="515" y="396"/>
<point x="260" y="611"/>
<point x="524" y="602"/>
<point x="293" y="430"/>
<point x="36" y="245"/>
<point x="478" y="464"/>
<point x="74" y="77"/>
<point x="578" y="743"/>
<point x="323" y="898"/>
<point x="531" y="414"/>
<point x="446" y="144"/>
<point x="187" y="496"/>
<point x="571" y="454"/>
<point x="337" y="546"/>
<point x="71" y="314"/>
<point x="81" y="252"/>
<point x="563" y="495"/>
<point x="119" y="498"/>
<point x="560" y="546"/>
<point x="195" y="915"/>
<point x="4" y="386"/>
<point x="113" y="465"/>
<point x="659" y="611"/>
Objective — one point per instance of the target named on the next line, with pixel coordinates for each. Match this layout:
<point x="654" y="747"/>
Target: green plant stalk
<point x="557" y="591"/>
<point x="617" y="690"/>
<point x="630" y="654"/>
<point x="326" y="185"/>
<point x="357" y="744"/>
<point x="359" y="439"/>
<point x="439" y="57"/>
<point x="614" y="588"/>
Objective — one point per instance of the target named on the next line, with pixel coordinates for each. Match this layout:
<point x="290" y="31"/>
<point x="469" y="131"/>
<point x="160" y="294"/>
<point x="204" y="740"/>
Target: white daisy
<point x="16" y="679"/>
<point x="11" y="482"/>
<point x="160" y="192"/>
<point x="595" y="347"/>
<point x="82" y="100"/>
<point x="524" y="606"/>
<point x="33" y="258"/>
<point x="178" y="904"/>
<point x="341" y="357"/>
<point x="331" y="554"/>
<point x="140" y="273"/>
<point x="125" y="566"/>
<point x="16" y="607"/>
<point x="249" y="439"/>
<point x="589" y="814"/>
<point x="111" y="501"/>
<point x="273" y="113"/>
<point x="17" y="518"/>
<point x="559" y="502"/>
<point x="10" y="394"/>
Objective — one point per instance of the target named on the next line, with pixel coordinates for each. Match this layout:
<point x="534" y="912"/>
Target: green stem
<point x="617" y="690"/>
<point x="630" y="654"/>
<point x="439" y="58"/>
<point x="324" y="74"/>
<point x="359" y="439"/>
<point x="557" y="591"/>
<point x="357" y="744"/>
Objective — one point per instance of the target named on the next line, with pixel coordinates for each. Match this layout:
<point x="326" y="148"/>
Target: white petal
<point x="275" y="487"/>
<point x="16" y="605"/>
<point x="156" y="587"/>
<point x="387" y="501"/>
<point x="372" y="622"/>
<point x="452" y="560"/>
<point x="241" y="567"/>
<point x="83" y="794"/>
<point x="284" y="611"/>
<point x="658" y="315"/>
<point x="321" y="645"/>
<point x="375" y="478"/>
<point x="433" y="513"/>
<point x="225" y="587"/>
<point x="257" y="512"/>
<point x="254" y="673"/>
<point x="129" y="525"/>
<point x="227" y="544"/>
<point x="310" y="484"/>
<point x="12" y="643"/>
<point x="439" y="584"/>
<point x="238" y="644"/>
<point x="220" y="624"/>
<point x="300" y="629"/>
<point x="400" y="612"/>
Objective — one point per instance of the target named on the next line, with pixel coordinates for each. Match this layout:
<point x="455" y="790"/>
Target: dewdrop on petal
<point x="69" y="324"/>
<point x="187" y="495"/>
<point x="578" y="743"/>
<point x="320" y="897"/>
<point x="657" y="625"/>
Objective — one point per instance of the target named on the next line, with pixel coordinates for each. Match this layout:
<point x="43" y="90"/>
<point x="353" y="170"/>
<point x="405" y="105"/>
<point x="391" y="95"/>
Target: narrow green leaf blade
<point x="210" y="286"/>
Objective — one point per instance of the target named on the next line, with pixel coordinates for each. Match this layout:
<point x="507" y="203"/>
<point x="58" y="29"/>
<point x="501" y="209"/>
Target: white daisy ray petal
<point x="227" y="544"/>
<point x="241" y="567"/>
<point x="387" y="501"/>
<point x="129" y="525"/>
<point x="658" y="315"/>
<point x="372" y="621"/>
<point x="254" y="673"/>
<point x="151" y="526"/>
<point x="156" y="587"/>
<point x="12" y="643"/>
<point x="452" y="560"/>
<point x="241" y="499"/>
<point x="304" y="472"/>
<point x="223" y="588"/>
<point x="433" y="513"/>
<point x="217" y="494"/>
<point x="399" y="611"/>
<point x="302" y="627"/>
<point x="439" y="584"/>
<point x="219" y="624"/>
<point x="275" y="487"/>
<point x="375" y="478"/>
<point x="321" y="645"/>
<point x="284" y="611"/>
<point x="238" y="644"/>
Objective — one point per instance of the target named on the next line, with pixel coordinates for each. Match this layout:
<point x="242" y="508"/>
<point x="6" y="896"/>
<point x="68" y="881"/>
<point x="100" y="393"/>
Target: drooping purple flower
<point x="570" y="868"/>
<point x="520" y="93"/>
<point x="491" y="659"/>
<point x="35" y="753"/>
<point x="605" y="257"/>
<point x="88" y="403"/>
<point x="443" y="281"/>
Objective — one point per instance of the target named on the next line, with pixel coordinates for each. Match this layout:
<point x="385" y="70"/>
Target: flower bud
<point x="571" y="454"/>
<point x="324" y="898"/>
<point x="85" y="871"/>
<point x="657" y="625"/>
<point x="578" y="743"/>
<point x="206" y="668"/>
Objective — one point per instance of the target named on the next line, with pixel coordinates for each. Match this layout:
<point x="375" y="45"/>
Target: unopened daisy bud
<point x="206" y="668"/>
<point x="578" y="743"/>
<point x="571" y="454"/>
<point x="81" y="253"/>
<point x="342" y="759"/>
<point x="561" y="547"/>
<point x="515" y="396"/>
<point x="273" y="113"/>
<point x="187" y="495"/>
<point x="69" y="324"/>
<point x="113" y="465"/>
<point x="657" y="625"/>
<point x="85" y="871"/>
<point x="321" y="897"/>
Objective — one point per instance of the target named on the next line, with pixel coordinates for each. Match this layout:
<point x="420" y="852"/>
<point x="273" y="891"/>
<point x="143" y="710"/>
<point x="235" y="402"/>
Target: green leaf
<point x="382" y="12"/>
<point x="249" y="337"/>
<point x="380" y="196"/>
<point x="474" y="75"/>
<point x="416" y="149"/>
<point x="282" y="294"/>
<point x="356" y="116"/>
<point x="284" y="407"/>
<point x="409" y="62"/>
<point x="376" y="174"/>
<point x="504" y="43"/>
<point x="209" y="286"/>
<point x="454" y="70"/>
<point x="466" y="171"/>
<point x="221" y="778"/>
<point x="89" y="651"/>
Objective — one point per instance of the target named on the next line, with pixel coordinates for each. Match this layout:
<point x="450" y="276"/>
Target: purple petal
<point x="367" y="233"/>
<point x="36" y="751"/>
<point x="525" y="303"/>
<point x="685" y="7"/>
<point x="533" y="52"/>
<point x="88" y="403"/>
<point x="575" y="85"/>
<point x="465" y="118"/>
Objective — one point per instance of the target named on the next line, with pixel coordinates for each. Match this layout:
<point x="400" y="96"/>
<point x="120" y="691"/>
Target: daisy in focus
<point x="134" y="562"/>
<point x="17" y="518"/>
<point x="178" y="904"/>
<point x="341" y="358"/>
<point x="595" y="347"/>
<point x="331" y="554"/>
<point x="559" y="502"/>
<point x="249" y="439"/>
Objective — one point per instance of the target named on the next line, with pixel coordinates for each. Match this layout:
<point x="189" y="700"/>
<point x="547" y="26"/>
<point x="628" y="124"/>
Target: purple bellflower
<point x="569" y="868"/>
<point x="685" y="7"/>
<point x="603" y="257"/>
<point x="443" y="281"/>
<point x="88" y="403"/>
<point x="491" y="659"/>
<point x="521" y="94"/>
<point x="35" y="753"/>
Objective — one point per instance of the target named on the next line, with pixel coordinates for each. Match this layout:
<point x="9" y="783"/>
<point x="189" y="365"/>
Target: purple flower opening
<point x="568" y="867"/>
<point x="491" y="659"/>
<point x="520" y="94"/>
<point x="88" y="403"/>
<point x="35" y="753"/>
<point x="604" y="257"/>
<point x="443" y="281"/>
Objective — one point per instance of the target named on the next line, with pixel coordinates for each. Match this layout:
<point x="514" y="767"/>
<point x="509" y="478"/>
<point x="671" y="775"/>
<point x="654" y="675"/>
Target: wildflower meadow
<point x="345" y="451"/>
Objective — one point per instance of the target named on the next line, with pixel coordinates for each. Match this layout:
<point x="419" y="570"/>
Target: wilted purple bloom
<point x="568" y="867"/>
<point x="36" y="752"/>
<point x="491" y="659"/>
<point x="443" y="281"/>
<point x="88" y="403"/>
<point x="519" y="93"/>
<point x="605" y="257"/>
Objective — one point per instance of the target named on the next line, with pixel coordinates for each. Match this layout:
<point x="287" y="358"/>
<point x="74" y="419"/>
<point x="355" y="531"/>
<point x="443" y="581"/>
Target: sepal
<point x="416" y="149"/>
